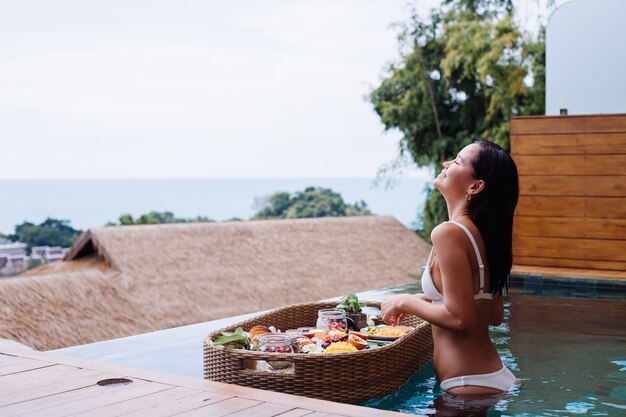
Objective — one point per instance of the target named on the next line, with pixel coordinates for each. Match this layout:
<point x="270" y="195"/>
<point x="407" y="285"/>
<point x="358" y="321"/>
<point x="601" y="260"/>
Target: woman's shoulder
<point x="447" y="233"/>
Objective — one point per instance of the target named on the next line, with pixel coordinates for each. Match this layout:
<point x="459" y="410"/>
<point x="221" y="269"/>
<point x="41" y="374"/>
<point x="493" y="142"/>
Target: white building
<point x="586" y="58"/>
<point x="14" y="257"/>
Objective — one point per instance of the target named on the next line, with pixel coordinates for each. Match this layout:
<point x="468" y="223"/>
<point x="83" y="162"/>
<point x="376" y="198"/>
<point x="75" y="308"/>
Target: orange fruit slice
<point x="363" y="336"/>
<point x="357" y="341"/>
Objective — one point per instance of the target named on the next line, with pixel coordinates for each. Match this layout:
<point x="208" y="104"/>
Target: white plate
<point x="378" y="337"/>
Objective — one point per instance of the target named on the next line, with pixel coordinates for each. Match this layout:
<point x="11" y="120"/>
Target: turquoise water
<point x="567" y="344"/>
<point x="93" y="203"/>
<point x="568" y="351"/>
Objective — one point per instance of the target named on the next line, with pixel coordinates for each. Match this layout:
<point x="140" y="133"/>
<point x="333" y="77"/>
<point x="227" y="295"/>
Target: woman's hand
<point x="392" y="309"/>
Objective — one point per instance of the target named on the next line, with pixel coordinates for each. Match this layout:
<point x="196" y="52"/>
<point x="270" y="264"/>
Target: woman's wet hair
<point x="492" y="209"/>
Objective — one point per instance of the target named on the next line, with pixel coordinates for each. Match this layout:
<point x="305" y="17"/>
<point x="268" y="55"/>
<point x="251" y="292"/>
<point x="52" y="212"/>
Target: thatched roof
<point x="118" y="281"/>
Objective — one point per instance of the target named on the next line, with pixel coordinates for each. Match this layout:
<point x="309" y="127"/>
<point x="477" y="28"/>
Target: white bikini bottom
<point x="502" y="380"/>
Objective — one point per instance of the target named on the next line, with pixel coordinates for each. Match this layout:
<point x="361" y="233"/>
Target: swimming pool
<point x="566" y="342"/>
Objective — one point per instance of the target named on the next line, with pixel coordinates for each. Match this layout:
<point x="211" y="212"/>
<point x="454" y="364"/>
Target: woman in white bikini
<point x="467" y="271"/>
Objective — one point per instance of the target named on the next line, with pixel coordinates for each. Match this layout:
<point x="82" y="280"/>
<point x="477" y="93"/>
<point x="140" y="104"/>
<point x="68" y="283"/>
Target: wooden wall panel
<point x="570" y="227"/>
<point x="569" y="186"/>
<point x="551" y="125"/>
<point x="570" y="263"/>
<point x="553" y="247"/>
<point x="555" y="206"/>
<point x="572" y="207"/>
<point x="575" y="165"/>
<point x="569" y="144"/>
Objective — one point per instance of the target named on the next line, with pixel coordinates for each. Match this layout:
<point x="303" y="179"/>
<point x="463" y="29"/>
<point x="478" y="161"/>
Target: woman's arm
<point x="457" y="312"/>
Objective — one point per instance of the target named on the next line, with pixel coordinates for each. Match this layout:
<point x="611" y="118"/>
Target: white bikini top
<point x="428" y="286"/>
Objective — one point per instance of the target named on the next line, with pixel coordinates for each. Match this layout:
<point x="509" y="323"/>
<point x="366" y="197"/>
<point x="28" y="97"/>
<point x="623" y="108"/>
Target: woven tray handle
<point x="282" y="363"/>
<point x="277" y="366"/>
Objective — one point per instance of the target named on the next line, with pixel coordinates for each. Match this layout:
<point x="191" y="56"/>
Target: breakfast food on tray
<point x="387" y="331"/>
<point x="268" y="339"/>
<point x="257" y="331"/>
<point x="339" y="347"/>
<point x="356" y="341"/>
<point x="310" y="340"/>
<point x="363" y="336"/>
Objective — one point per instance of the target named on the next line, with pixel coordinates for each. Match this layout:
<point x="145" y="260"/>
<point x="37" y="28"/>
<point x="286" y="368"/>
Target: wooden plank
<point x="568" y="144"/>
<point x="547" y="248"/>
<point x="180" y="405"/>
<point x="47" y="399"/>
<point x="222" y="408"/>
<point x="296" y="412"/>
<point x="569" y="227"/>
<point x="573" y="186"/>
<point x="559" y="206"/>
<point x="576" y="165"/>
<point x="96" y="397"/>
<point x="552" y="206"/>
<point x="607" y="267"/>
<point x="263" y="410"/>
<point x="209" y="387"/>
<point x="24" y="381"/>
<point x="36" y="391"/>
<point x="7" y="360"/>
<point x="21" y="366"/>
<point x="580" y="273"/>
<point x="143" y="403"/>
<point x="589" y="249"/>
<point x="532" y="125"/>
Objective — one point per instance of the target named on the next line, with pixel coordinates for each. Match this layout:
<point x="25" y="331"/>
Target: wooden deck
<point x="37" y="383"/>
<point x="573" y="273"/>
<point x="584" y="274"/>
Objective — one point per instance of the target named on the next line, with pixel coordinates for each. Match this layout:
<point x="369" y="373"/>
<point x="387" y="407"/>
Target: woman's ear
<point x="476" y="187"/>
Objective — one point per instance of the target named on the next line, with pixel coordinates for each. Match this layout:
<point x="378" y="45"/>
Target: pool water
<point x="566" y="345"/>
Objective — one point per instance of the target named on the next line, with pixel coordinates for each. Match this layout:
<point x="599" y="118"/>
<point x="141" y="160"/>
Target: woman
<point x="462" y="294"/>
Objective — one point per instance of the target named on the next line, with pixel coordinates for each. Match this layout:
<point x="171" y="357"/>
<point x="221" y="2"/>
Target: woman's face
<point x="458" y="174"/>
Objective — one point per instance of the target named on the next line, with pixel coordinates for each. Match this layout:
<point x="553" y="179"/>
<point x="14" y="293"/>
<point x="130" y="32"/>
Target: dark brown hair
<point x="492" y="210"/>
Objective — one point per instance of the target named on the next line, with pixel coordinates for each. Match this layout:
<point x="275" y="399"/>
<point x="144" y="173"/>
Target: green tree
<point x="157" y="217"/>
<point x="51" y="232"/>
<point x="312" y="202"/>
<point x="461" y="75"/>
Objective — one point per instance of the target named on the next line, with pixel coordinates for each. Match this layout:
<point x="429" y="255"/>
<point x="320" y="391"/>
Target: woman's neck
<point x="457" y="211"/>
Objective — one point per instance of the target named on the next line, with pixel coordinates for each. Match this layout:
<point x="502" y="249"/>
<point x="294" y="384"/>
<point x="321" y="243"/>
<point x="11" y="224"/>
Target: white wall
<point x="586" y="58"/>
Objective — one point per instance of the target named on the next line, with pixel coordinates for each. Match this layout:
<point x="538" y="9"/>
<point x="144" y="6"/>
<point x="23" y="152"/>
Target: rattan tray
<point x="343" y="377"/>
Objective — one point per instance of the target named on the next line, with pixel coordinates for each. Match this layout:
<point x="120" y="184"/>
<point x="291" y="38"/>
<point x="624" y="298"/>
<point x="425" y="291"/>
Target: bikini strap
<point x="481" y="266"/>
<point x="430" y="255"/>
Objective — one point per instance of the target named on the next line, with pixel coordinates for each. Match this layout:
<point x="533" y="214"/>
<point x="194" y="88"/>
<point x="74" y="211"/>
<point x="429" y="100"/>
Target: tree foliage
<point x="461" y="75"/>
<point x="51" y="232"/>
<point x="156" y="217"/>
<point x="312" y="202"/>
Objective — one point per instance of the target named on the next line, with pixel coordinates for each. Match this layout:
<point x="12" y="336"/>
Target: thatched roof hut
<point x="118" y="281"/>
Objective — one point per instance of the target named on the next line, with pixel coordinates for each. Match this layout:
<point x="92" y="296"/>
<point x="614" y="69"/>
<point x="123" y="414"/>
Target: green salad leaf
<point x="237" y="339"/>
<point x="350" y="303"/>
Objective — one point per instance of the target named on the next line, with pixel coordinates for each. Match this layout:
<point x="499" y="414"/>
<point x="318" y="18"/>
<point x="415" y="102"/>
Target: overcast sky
<point x="195" y="88"/>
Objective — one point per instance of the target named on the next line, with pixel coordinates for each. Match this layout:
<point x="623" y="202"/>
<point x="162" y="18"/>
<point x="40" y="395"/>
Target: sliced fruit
<point x="357" y="342"/>
<point x="363" y="336"/>
<point x="339" y="347"/>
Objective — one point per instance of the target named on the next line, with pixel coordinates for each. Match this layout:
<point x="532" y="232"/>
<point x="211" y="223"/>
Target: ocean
<point x="90" y="203"/>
